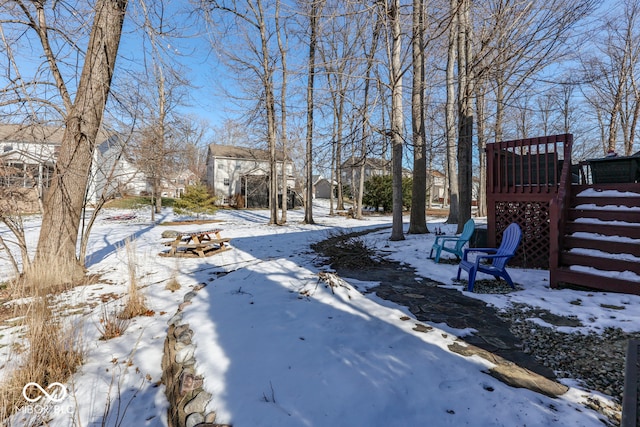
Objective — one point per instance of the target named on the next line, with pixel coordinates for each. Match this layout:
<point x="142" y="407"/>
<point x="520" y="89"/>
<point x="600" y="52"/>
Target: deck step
<point x="629" y="202"/>
<point x="604" y="263"/>
<point x="628" y="216"/>
<point x="608" y="246"/>
<point x="587" y="280"/>
<point x="604" y="221"/>
<point x="630" y="231"/>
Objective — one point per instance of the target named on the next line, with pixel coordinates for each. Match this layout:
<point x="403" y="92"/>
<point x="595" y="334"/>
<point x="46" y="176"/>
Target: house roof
<point x="245" y="153"/>
<point x="374" y="163"/>
<point x="317" y="178"/>
<point x="31" y="133"/>
<point x="34" y="133"/>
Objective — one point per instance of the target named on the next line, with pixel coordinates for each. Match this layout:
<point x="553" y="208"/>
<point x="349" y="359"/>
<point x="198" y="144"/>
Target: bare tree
<point x="393" y="15"/>
<point x="284" y="134"/>
<point x="417" y="222"/>
<point x="64" y="201"/>
<point x="337" y="47"/>
<point x="465" y="114"/>
<point x="193" y="156"/>
<point x="519" y="40"/>
<point x="450" y="118"/>
<point x="365" y="110"/>
<point x="612" y="75"/>
<point x="311" y="67"/>
<point x="256" y="56"/>
<point x="480" y="93"/>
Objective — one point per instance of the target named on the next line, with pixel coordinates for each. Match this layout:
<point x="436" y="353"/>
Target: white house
<point x="350" y="169"/>
<point x="436" y="185"/>
<point x="322" y="187"/>
<point x="114" y="173"/>
<point x="239" y="176"/>
<point x="28" y="154"/>
<point x="175" y="185"/>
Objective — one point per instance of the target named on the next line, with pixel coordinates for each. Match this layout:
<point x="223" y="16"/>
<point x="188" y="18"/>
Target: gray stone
<point x="194" y="419"/>
<point x="189" y="296"/>
<point x="170" y="234"/>
<point x="189" y="382"/>
<point x="180" y="329"/>
<point x="175" y="320"/>
<point x="512" y="374"/>
<point x="191" y="363"/>
<point x="199" y="286"/>
<point x="198" y="404"/>
<point x="185" y="353"/>
<point x="185" y="337"/>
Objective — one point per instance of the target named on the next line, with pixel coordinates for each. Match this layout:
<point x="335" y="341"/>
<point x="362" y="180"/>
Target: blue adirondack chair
<point x="499" y="257"/>
<point x="456" y="243"/>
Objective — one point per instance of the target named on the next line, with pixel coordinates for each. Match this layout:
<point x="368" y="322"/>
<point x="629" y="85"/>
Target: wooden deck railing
<point x="523" y="177"/>
<point x="558" y="212"/>
<point x="530" y="165"/>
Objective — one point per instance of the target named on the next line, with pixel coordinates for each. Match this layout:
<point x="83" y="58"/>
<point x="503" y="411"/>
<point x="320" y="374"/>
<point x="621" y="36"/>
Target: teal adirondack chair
<point x="453" y="244"/>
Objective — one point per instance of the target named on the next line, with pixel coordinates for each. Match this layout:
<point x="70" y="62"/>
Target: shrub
<point x="378" y="192"/>
<point x="111" y="324"/>
<point x="195" y="200"/>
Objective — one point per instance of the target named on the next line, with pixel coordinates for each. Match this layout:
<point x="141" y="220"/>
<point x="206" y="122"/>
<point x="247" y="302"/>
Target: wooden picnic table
<point x="200" y="243"/>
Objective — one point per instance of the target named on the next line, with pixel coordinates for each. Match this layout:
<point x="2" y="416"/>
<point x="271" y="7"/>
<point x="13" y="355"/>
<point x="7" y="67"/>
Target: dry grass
<point x="52" y="352"/>
<point x="347" y="250"/>
<point x="135" y="305"/>
<point x="37" y="279"/>
<point x="173" y="284"/>
<point x="111" y="324"/>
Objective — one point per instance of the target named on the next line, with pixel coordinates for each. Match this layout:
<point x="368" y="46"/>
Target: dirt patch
<point x="348" y="250"/>
<point x="438" y="212"/>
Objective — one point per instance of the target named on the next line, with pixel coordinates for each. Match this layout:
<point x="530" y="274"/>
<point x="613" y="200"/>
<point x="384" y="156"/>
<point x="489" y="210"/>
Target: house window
<point x="7" y="148"/>
<point x="226" y="181"/>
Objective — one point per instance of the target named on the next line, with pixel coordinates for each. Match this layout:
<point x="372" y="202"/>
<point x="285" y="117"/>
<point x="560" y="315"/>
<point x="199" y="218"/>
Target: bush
<point x="378" y="192"/>
<point x="195" y="200"/>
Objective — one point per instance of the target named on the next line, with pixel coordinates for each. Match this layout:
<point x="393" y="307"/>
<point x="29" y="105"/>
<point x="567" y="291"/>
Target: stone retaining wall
<point x="183" y="386"/>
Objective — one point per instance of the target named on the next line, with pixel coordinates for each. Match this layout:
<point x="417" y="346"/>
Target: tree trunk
<point x="283" y="117"/>
<point x="482" y="156"/>
<point x="308" y="210"/>
<point x="359" y="194"/>
<point x="271" y="117"/>
<point x="65" y="199"/>
<point x="465" y="118"/>
<point x="452" y="172"/>
<point x="397" y="232"/>
<point x="417" y="221"/>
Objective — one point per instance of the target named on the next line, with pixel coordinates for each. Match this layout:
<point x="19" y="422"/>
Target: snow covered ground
<point x="277" y="348"/>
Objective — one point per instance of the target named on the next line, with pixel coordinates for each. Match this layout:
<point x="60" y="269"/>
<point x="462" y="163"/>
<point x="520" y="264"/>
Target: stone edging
<point x="183" y="386"/>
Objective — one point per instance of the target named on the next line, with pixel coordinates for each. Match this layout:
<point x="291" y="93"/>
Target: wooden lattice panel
<point x="533" y="219"/>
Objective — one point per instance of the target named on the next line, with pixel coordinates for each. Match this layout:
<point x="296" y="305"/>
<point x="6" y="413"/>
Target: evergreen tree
<point x="195" y="200"/>
<point x="378" y="192"/>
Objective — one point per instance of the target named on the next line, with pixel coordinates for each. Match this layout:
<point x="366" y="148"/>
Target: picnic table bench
<point x="200" y="243"/>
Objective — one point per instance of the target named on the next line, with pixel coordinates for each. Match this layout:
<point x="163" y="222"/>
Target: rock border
<point x="183" y="386"/>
